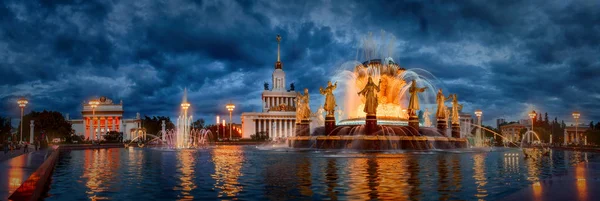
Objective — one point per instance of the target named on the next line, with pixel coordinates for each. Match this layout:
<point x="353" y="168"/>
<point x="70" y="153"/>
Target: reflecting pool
<point x="250" y="173"/>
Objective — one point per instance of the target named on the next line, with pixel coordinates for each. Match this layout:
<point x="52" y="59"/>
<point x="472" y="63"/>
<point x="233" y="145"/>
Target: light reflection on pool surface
<point x="248" y="173"/>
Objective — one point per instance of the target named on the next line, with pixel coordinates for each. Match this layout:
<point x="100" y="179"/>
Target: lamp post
<point x="478" y="113"/>
<point x="532" y="115"/>
<point x="223" y="125"/>
<point x="217" y="123"/>
<point x="230" y="108"/>
<point x="22" y="103"/>
<point x="576" y="117"/>
<point x="94" y="104"/>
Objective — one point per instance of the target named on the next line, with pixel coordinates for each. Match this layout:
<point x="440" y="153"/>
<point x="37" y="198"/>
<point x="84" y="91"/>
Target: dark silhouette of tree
<point x="51" y="123"/>
<point x="5" y="128"/>
<point x="546" y="122"/>
<point x="154" y="125"/>
<point x="198" y="124"/>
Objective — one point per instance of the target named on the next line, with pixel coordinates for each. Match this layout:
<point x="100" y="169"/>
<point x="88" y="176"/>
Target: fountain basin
<point x="369" y="142"/>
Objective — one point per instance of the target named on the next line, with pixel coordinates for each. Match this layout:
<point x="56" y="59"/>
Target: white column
<point x="114" y="121"/>
<point x="31" y="127"/>
<point x="285" y="127"/>
<point x="278" y="126"/>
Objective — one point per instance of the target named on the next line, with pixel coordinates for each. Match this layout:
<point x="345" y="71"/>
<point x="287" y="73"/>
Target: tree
<point x="5" y="128"/>
<point x="51" y="123"/>
<point x="546" y="122"/>
<point x="154" y="125"/>
<point x="591" y="125"/>
<point x="198" y="124"/>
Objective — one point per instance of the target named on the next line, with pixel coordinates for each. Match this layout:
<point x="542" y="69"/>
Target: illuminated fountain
<point x="183" y="136"/>
<point x="384" y="113"/>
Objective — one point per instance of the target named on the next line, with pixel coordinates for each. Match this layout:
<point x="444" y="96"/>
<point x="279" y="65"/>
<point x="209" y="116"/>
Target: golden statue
<point x="455" y="108"/>
<point x="441" y="110"/>
<point x="413" y="105"/>
<point x="371" y="96"/>
<point x="329" y="98"/>
<point x="302" y="106"/>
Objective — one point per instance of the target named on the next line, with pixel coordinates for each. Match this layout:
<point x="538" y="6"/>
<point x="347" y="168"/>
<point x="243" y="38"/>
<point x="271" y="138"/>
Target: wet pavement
<point x="14" y="171"/>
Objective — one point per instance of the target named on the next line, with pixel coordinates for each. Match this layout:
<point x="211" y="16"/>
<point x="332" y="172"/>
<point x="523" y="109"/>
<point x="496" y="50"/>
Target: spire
<point x="278" y="64"/>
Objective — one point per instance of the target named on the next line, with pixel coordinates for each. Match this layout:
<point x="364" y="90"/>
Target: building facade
<point x="107" y="117"/>
<point x="575" y="135"/>
<point x="511" y="132"/>
<point x="278" y="116"/>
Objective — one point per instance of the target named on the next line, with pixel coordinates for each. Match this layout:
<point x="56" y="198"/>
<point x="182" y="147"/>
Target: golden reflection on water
<point x="443" y="182"/>
<point x="15" y="173"/>
<point x="479" y="176"/>
<point x="357" y="168"/>
<point x="393" y="177"/>
<point x="331" y="178"/>
<point x="304" y="177"/>
<point x="580" y="175"/>
<point x="228" y="163"/>
<point x="383" y="177"/>
<point x="186" y="180"/>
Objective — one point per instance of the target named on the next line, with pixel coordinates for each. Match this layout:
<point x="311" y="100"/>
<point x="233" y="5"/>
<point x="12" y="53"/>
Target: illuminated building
<point x="278" y="116"/>
<point x="108" y="117"/>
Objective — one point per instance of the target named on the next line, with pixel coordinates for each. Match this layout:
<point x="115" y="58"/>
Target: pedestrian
<point x="25" y="148"/>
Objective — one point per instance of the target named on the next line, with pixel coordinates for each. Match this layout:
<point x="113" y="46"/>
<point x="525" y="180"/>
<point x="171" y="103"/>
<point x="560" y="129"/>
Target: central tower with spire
<point x="278" y="74"/>
<point x="277" y="120"/>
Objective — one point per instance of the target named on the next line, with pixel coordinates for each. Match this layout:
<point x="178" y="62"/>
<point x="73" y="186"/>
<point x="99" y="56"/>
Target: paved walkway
<point x="12" y="154"/>
<point x="15" y="168"/>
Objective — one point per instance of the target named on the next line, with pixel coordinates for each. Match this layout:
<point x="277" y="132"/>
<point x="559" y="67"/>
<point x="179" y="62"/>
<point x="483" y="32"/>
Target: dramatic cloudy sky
<point x="505" y="57"/>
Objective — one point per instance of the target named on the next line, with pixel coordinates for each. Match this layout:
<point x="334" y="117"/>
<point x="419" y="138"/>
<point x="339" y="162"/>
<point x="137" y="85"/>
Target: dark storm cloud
<point x="504" y="57"/>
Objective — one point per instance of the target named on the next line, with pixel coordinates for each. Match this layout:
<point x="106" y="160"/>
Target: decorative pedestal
<point x="329" y="124"/>
<point x="456" y="130"/>
<point x="371" y="124"/>
<point x="413" y="121"/>
<point x="442" y="126"/>
<point x="303" y="128"/>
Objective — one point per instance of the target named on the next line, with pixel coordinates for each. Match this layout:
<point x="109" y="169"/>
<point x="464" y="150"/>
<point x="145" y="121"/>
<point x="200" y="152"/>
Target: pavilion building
<point x="107" y="117"/>
<point x="511" y="132"/>
<point x="278" y="116"/>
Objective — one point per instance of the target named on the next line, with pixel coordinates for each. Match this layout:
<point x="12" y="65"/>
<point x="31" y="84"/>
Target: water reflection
<point x="580" y="175"/>
<point x="228" y="163"/>
<point x="216" y="173"/>
<point x="186" y="179"/>
<point x="304" y="177"/>
<point x="413" y="180"/>
<point x="331" y="178"/>
<point x="392" y="178"/>
<point x="15" y="173"/>
<point x="443" y="182"/>
<point x="479" y="176"/>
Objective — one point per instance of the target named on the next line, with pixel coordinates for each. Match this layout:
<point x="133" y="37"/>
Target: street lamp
<point x="217" y="123"/>
<point x="576" y="117"/>
<point x="223" y="125"/>
<point x="532" y="115"/>
<point x="230" y="108"/>
<point x="93" y="104"/>
<point x="22" y="103"/>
